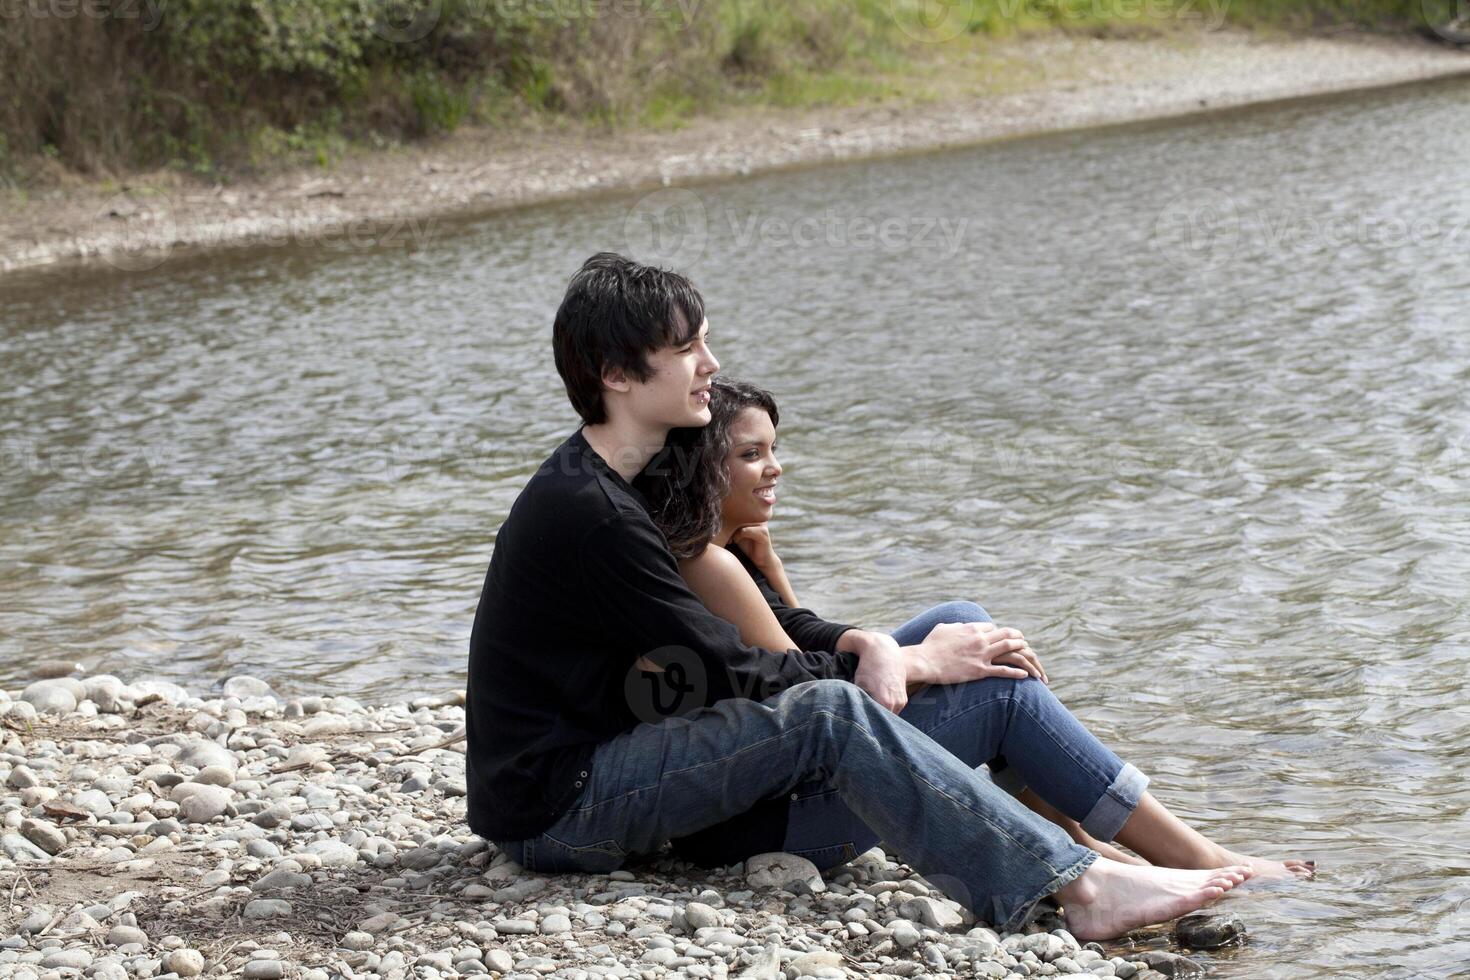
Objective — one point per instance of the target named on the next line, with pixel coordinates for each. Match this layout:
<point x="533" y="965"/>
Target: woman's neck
<point x="724" y="534"/>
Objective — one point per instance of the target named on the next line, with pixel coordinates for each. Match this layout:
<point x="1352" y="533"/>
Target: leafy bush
<point x="212" y="84"/>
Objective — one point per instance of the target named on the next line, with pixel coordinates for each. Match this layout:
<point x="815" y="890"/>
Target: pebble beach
<point x="148" y="831"/>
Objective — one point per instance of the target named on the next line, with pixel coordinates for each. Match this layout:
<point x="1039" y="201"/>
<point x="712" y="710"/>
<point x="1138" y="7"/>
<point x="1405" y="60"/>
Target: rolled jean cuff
<point x="1026" y="910"/>
<point x="1116" y="805"/>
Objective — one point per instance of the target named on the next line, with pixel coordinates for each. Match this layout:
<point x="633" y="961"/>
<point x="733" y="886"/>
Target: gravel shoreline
<point x="148" y="832"/>
<point x="398" y="198"/>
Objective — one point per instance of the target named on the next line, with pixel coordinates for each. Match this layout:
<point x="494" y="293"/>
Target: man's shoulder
<point x="569" y="490"/>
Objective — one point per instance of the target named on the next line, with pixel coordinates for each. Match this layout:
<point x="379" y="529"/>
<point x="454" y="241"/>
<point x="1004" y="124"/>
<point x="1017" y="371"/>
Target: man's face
<point x="677" y="395"/>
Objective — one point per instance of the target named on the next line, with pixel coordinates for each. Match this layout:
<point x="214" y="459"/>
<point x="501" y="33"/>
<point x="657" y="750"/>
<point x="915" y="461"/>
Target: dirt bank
<point x="1051" y="83"/>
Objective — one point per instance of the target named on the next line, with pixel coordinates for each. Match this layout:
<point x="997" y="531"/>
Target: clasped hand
<point x="952" y="653"/>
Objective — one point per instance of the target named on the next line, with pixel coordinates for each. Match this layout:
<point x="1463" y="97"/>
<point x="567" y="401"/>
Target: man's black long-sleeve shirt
<point x="581" y="584"/>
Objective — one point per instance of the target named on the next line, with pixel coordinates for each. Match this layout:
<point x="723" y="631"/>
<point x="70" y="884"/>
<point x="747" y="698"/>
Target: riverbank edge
<point x="400" y="198"/>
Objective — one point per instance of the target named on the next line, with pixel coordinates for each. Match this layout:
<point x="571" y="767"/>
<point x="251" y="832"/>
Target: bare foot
<point x="1265" y="868"/>
<point x="1110" y="899"/>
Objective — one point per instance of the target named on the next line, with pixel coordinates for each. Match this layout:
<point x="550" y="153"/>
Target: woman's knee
<point x="959" y="611"/>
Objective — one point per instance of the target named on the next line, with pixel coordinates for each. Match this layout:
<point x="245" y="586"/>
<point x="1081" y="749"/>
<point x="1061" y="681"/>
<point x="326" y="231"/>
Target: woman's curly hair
<point x="687" y="482"/>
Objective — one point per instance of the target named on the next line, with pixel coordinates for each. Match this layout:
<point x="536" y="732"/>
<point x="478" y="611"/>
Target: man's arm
<point x="806" y="629"/>
<point x="638" y="593"/>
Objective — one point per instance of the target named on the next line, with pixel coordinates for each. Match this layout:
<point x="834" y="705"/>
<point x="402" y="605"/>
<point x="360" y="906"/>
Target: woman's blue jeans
<point x="861" y="774"/>
<point x="984" y="722"/>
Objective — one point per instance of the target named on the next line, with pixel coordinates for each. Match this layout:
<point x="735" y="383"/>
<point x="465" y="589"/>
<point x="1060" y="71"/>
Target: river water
<point x="1186" y="401"/>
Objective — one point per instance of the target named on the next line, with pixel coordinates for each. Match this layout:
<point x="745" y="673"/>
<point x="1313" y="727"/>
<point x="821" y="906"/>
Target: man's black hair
<point x="615" y="312"/>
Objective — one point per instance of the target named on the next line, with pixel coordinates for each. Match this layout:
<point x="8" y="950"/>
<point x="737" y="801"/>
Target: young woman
<point x="713" y="493"/>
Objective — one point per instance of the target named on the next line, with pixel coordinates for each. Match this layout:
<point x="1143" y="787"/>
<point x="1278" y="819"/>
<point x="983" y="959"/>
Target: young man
<point x="609" y="711"/>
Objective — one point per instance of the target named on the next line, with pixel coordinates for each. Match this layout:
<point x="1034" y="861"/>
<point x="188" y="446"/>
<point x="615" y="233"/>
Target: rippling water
<point x="1185" y="401"/>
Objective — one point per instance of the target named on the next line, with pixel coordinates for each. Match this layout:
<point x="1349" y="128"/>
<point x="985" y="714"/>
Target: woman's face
<point x="753" y="469"/>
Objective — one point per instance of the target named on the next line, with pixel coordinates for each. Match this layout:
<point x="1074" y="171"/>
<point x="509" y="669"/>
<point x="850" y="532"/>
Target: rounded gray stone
<point x="184" y="962"/>
<point x="334" y="853"/>
<point x="67" y="959"/>
<point x="555" y="923"/>
<point x="203" y="803"/>
<point x="244" y="686"/>
<point x="267" y="908"/>
<point x="44" y="834"/>
<point x="905" y="933"/>
<point x="123" y="935"/>
<point x="202" y="753"/>
<point x="53" y="697"/>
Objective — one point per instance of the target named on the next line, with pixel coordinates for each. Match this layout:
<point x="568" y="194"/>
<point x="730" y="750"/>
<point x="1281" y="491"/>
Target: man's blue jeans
<point x="860" y="774"/>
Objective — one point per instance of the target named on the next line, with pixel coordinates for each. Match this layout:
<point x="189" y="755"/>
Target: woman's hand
<point x="755" y="541"/>
<point x="1024" y="658"/>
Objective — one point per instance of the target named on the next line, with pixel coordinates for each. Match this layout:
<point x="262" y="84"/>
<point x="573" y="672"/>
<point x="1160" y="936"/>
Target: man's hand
<point x="883" y="671"/>
<point x="957" y="652"/>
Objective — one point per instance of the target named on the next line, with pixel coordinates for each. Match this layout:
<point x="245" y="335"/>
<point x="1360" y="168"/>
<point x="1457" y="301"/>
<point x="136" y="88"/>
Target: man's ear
<point x="615" y="379"/>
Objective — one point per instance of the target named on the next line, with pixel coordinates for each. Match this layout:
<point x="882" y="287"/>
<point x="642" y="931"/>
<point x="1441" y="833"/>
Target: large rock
<point x="108" y="693"/>
<point x="334" y="853"/>
<point x="905" y="933"/>
<point x="279" y="880"/>
<point x="1206" y="930"/>
<point x="779" y="870"/>
<point x="19" y="711"/>
<point x="1171" y="964"/>
<point x="932" y="913"/>
<point x="200" y="802"/>
<point x="22" y="777"/>
<point x="44" y="834"/>
<point x="202" y="753"/>
<point x="698" y="915"/>
<point x="17" y="848"/>
<point x="126" y="935"/>
<point x="267" y="908"/>
<point x="244" y="686"/>
<point x="167" y="690"/>
<point x="555" y="923"/>
<point x="766" y="966"/>
<point x="67" y="959"/>
<point x="184" y="962"/>
<point x="325" y="724"/>
<point x="54" y="697"/>
<point x="94" y="801"/>
<point x="809" y="963"/>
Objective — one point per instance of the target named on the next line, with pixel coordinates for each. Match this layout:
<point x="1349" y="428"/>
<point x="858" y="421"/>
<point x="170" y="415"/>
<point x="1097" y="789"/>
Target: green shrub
<point x="215" y="85"/>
